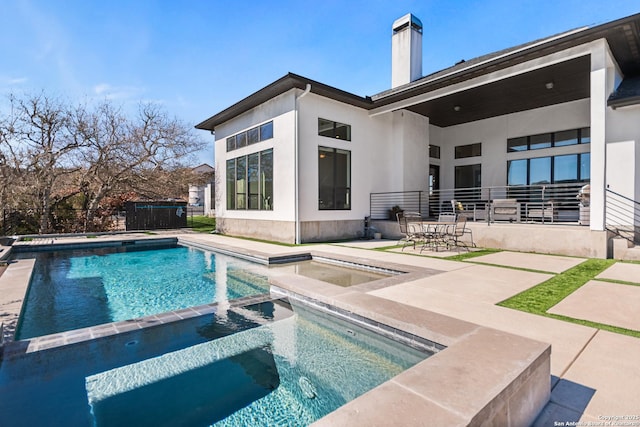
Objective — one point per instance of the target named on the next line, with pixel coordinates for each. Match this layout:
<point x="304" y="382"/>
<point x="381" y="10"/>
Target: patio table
<point x="435" y="233"/>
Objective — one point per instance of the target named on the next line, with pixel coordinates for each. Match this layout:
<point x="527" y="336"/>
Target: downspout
<point x="296" y="161"/>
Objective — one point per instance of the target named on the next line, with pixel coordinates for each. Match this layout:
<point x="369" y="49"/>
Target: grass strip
<point x="540" y="298"/>
<point x="596" y="325"/>
<point x="201" y="223"/>
<point x="474" y="254"/>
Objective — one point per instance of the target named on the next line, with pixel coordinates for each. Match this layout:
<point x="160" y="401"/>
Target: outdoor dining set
<point x="449" y="231"/>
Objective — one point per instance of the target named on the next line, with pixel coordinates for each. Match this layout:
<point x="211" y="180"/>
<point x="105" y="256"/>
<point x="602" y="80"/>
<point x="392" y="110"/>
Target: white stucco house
<point x="301" y="161"/>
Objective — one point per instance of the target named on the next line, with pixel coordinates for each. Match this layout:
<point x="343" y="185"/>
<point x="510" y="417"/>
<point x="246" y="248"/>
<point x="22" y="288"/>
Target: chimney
<point x="406" y="50"/>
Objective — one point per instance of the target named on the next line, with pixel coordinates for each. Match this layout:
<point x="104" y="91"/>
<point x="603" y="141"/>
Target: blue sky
<point x="197" y="57"/>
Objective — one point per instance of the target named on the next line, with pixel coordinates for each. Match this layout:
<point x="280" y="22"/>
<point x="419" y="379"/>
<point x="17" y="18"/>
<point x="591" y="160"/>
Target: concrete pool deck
<point x="594" y="372"/>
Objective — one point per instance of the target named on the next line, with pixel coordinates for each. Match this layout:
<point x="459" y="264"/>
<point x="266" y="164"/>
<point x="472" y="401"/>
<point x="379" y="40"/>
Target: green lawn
<point x="540" y="298"/>
<point x="201" y="223"/>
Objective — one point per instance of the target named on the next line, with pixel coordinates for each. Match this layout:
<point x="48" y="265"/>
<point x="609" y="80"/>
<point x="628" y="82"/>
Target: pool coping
<point x="482" y="377"/>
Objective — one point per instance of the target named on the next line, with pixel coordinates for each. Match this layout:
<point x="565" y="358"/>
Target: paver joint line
<point x="577" y="356"/>
<point x="434" y="402"/>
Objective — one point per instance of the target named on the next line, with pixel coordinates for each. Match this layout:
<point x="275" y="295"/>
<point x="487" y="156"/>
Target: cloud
<point x="10" y="84"/>
<point x="110" y="92"/>
<point x="17" y="80"/>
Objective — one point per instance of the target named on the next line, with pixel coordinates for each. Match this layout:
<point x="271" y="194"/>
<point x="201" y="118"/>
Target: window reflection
<point x="517" y="172"/>
<point x="565" y="168"/>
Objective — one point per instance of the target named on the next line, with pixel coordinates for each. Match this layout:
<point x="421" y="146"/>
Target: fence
<point x="622" y="216"/>
<point x="553" y="203"/>
<point x="153" y="215"/>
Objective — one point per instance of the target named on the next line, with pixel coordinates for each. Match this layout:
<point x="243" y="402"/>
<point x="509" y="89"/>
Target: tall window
<point x="332" y="129"/>
<point x="250" y="181"/>
<point x="334" y="179"/>
<point x="468" y="176"/>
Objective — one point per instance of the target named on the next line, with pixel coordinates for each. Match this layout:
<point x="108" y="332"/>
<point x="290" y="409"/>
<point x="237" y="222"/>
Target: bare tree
<point x="124" y="154"/>
<point x="57" y="155"/>
<point x="40" y="146"/>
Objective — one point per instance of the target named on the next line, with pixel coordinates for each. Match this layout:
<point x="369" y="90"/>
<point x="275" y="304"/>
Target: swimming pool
<point x="72" y="289"/>
<point x="289" y="372"/>
<point x="258" y="365"/>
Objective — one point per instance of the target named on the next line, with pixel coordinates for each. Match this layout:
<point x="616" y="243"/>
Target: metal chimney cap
<point x="407" y="20"/>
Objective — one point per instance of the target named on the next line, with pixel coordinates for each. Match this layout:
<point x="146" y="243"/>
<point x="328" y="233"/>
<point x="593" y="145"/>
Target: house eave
<point x="280" y="86"/>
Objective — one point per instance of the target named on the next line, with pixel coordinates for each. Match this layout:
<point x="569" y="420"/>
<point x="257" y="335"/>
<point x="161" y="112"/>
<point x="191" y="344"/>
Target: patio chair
<point x="411" y="227"/>
<point x="456" y="233"/>
<point x="447" y="217"/>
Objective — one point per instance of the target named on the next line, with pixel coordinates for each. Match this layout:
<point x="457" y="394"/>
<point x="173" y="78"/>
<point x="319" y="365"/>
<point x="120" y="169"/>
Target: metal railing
<point x="552" y="203"/>
<point x="622" y="216"/>
<point x="386" y="205"/>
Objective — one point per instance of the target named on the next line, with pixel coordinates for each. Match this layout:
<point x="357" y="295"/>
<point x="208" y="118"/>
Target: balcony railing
<point x="623" y="216"/>
<point x="553" y="203"/>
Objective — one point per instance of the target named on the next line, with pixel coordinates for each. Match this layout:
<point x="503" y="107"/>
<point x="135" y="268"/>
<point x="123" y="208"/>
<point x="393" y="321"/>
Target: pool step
<point x="238" y="368"/>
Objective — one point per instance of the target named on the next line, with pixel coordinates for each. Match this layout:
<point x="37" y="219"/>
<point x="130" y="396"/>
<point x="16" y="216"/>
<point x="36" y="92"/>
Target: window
<point x="565" y="168"/>
<point x="540" y="170"/>
<point x="266" y="180"/>
<point x="517" y="172"/>
<point x="548" y="140"/>
<point x="471" y="150"/>
<point x="585" y="166"/>
<point x="537" y="142"/>
<point x="585" y="135"/>
<point x="334" y="179"/>
<point x="567" y="137"/>
<point x="545" y="170"/>
<point x="517" y="144"/>
<point x="231" y="184"/>
<point x="468" y="176"/>
<point x="231" y="143"/>
<point x="434" y="151"/>
<point x="334" y="129"/>
<point x="253" y="178"/>
<point x="251" y="136"/>
<point x="250" y="182"/>
<point x="241" y="140"/>
<point x="266" y="131"/>
<point x="241" y="182"/>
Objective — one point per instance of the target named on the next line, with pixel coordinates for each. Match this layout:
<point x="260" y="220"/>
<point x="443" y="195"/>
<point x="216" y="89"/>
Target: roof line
<point x="287" y="82"/>
<point x="462" y="71"/>
<point x="425" y="80"/>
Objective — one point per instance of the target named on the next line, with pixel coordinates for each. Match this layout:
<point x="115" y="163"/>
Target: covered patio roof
<point x="555" y="84"/>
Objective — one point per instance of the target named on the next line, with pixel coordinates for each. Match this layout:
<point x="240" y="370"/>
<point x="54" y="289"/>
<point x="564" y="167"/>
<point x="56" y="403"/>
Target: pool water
<point x="290" y="372"/>
<point x="257" y="365"/>
<point x="72" y="289"/>
<point x="48" y="387"/>
<point x="334" y="274"/>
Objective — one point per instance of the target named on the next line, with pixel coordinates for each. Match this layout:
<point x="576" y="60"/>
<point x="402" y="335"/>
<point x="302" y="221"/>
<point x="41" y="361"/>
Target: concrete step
<point x="625" y="250"/>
